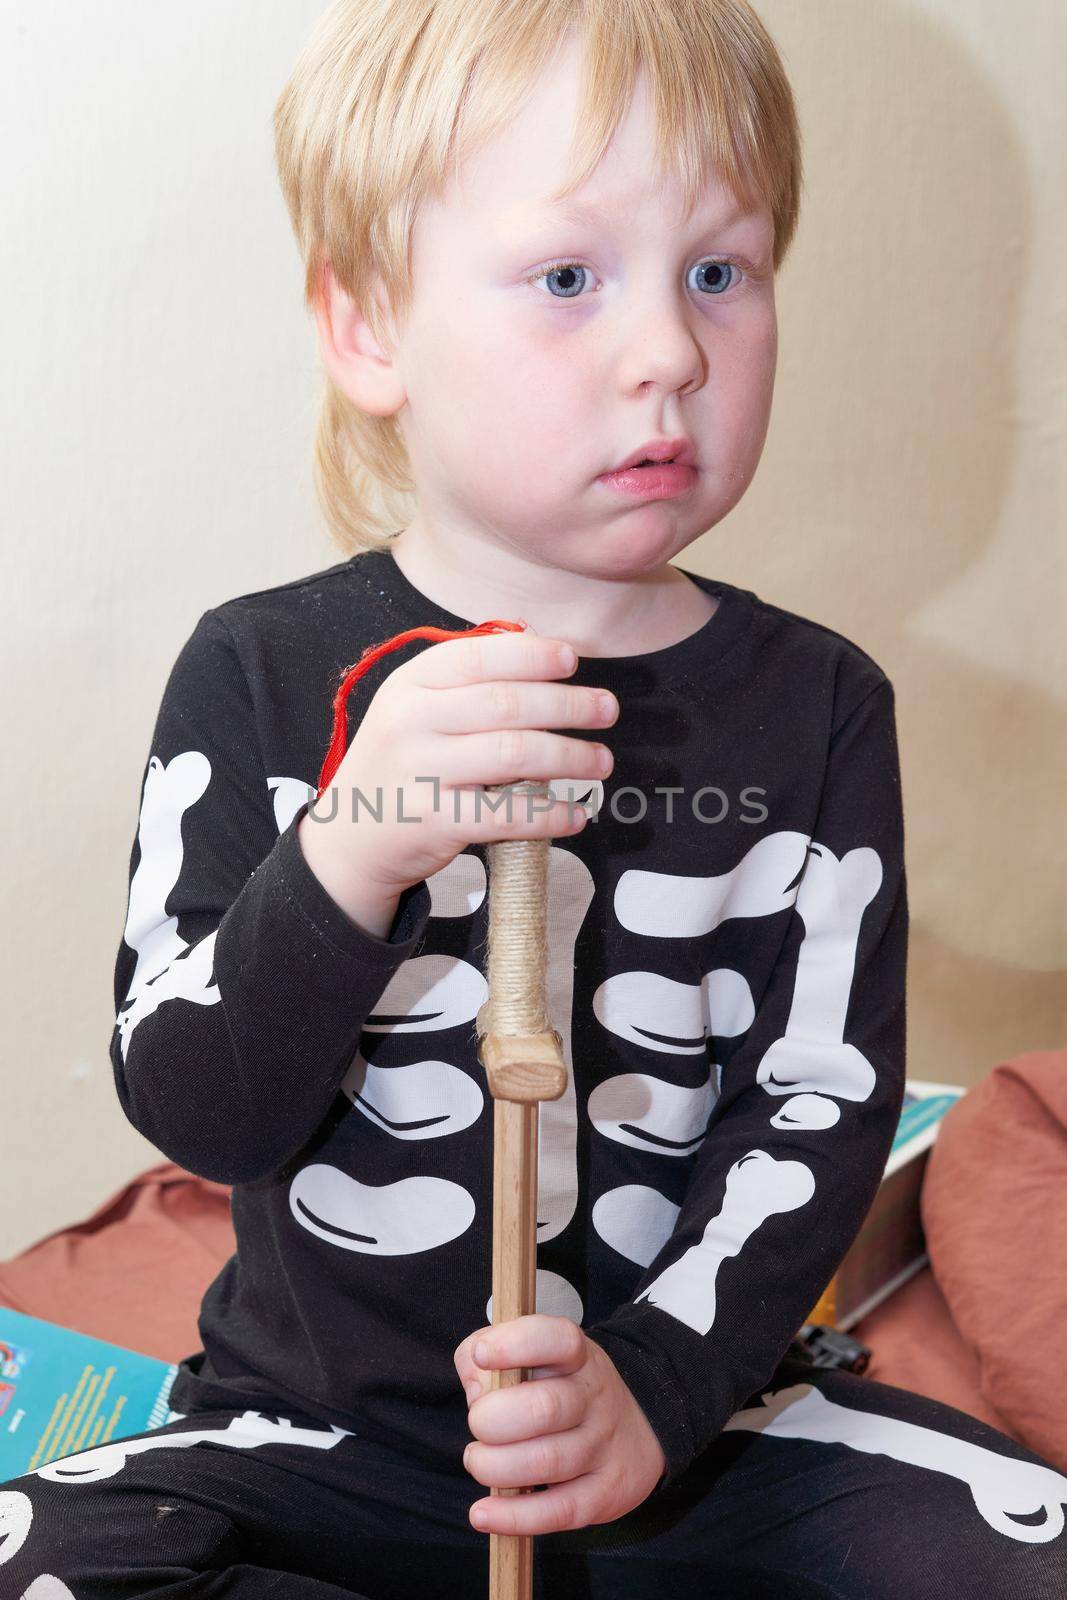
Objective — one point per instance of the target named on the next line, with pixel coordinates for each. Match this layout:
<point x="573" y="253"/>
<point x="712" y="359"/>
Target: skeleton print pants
<point x="824" y="1484"/>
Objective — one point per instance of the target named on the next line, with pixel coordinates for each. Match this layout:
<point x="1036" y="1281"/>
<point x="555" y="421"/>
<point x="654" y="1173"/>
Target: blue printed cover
<point x="62" y="1391"/>
<point x="924" y="1107"/>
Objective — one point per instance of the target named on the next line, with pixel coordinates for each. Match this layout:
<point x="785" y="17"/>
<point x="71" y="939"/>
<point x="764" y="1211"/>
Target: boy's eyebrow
<point x="584" y="212"/>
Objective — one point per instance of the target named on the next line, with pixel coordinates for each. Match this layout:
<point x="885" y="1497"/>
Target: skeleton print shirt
<point x="726" y="966"/>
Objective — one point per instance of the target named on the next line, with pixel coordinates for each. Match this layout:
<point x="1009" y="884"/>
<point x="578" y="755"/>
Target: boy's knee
<point x="31" y="1552"/>
<point x="74" y="1539"/>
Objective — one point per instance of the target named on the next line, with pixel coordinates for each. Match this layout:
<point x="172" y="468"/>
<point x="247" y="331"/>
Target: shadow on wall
<point x="936" y="535"/>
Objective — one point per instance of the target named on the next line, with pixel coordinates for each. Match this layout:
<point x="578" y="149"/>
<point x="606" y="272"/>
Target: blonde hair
<point x="389" y="97"/>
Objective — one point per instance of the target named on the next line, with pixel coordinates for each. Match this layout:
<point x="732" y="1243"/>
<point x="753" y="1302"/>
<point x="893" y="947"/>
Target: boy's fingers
<point x="553" y="1509"/>
<point x="535" y="1340"/>
<point x="482" y="657"/>
<point x="474" y="1387"/>
<point x="464" y="1351"/>
<point x="546" y="1347"/>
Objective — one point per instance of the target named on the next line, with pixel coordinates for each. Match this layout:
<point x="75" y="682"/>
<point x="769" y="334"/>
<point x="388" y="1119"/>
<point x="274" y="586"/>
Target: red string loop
<point x="351" y="676"/>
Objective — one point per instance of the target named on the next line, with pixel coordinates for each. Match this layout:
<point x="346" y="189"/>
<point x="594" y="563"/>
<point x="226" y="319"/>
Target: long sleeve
<point x="241" y="987"/>
<point x="799" y="1136"/>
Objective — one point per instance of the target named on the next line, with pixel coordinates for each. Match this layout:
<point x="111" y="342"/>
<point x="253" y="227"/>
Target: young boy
<point x="298" y="985"/>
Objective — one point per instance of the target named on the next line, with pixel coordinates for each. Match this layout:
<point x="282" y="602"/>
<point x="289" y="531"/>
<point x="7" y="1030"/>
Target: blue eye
<point x="562" y="269"/>
<point x="571" y="287"/>
<point x="719" y="267"/>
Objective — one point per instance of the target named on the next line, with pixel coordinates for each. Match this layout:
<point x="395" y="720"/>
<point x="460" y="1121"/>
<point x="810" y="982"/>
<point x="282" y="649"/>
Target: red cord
<point x="351" y="675"/>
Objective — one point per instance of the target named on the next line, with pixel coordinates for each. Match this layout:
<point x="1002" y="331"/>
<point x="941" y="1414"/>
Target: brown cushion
<point x="915" y="1345"/>
<point x="133" y="1272"/>
<point x="994" y="1208"/>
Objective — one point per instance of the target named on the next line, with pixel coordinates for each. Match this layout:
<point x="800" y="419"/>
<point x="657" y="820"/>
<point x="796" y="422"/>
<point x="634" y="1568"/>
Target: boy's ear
<point x="355" y="360"/>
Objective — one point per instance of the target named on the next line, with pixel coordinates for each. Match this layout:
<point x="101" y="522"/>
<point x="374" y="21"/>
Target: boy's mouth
<point x="651" y="478"/>
<point x="668" y="452"/>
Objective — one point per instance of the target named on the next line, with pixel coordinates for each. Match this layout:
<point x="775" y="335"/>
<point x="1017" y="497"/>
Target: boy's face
<point x="519" y="395"/>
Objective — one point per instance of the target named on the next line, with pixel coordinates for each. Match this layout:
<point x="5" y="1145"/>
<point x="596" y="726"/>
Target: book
<point x="62" y="1391"/>
<point x="890" y="1246"/>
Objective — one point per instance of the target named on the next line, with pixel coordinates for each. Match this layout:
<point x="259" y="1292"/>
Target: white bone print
<point x="661" y="905"/>
<point x="812" y="1057"/>
<point x="393" y="1219"/>
<point x="765" y="882"/>
<point x="812" y="1111"/>
<point x="640" y="1108"/>
<point x="650" y="1113"/>
<point x="650" y="1009"/>
<point x="249" y="1431"/>
<point x="757" y="1187"/>
<point x="425" y="1100"/>
<point x="16" y="1516"/>
<point x="430" y="1098"/>
<point x="1004" y="1489"/>
<point x="187" y="978"/>
<point x="808" y="1063"/>
<point x="428" y="993"/>
<point x="167" y="969"/>
<point x="636" y="1220"/>
<point x="645" y="1110"/>
<point x="570" y="894"/>
<point x="169" y="792"/>
<point x="289" y="795"/>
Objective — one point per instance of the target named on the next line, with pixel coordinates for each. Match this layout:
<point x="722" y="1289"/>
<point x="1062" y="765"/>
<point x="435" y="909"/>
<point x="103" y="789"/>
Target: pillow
<point x="133" y="1272"/>
<point x="994" y="1208"/>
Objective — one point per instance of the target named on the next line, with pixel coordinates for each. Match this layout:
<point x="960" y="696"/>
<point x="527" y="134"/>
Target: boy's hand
<point x="573" y="1425"/>
<point x="441" y="742"/>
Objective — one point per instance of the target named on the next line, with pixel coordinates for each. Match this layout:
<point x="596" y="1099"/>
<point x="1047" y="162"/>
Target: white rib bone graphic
<point x="1003" y="1487"/>
<point x="430" y="1099"/>
<point x="644" y="1109"/>
<point x="772" y="876"/>
<point x="661" y="905"/>
<point x="640" y="1108"/>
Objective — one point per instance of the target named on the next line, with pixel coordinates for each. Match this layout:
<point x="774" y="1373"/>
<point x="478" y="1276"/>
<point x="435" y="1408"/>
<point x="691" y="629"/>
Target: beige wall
<point x="158" y="396"/>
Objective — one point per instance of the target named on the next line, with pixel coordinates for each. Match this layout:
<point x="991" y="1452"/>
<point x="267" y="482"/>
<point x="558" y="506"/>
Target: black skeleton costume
<point x="726" y="966"/>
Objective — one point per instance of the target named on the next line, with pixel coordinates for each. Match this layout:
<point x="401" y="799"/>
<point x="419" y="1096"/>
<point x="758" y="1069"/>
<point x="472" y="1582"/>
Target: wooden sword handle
<point x="523" y="1059"/>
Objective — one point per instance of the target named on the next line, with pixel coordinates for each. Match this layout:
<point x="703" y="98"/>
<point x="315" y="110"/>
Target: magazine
<point x="62" y="1391"/>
